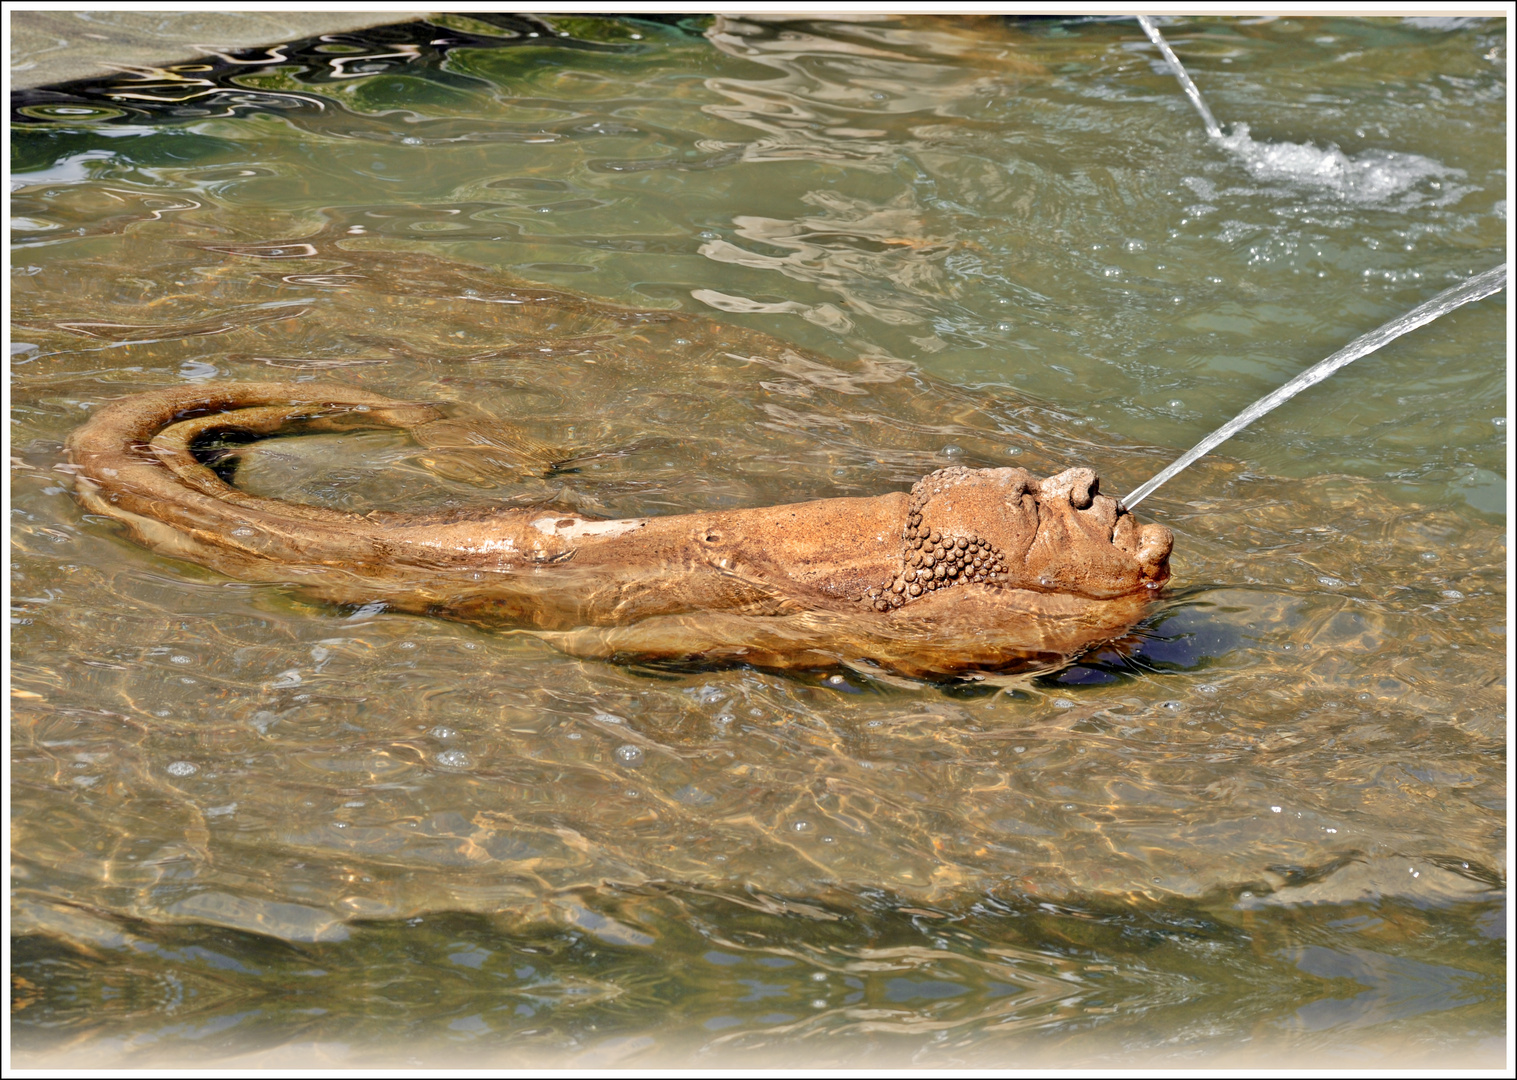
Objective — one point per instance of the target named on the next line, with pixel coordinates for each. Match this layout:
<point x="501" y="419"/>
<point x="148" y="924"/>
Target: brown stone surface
<point x="1060" y="567"/>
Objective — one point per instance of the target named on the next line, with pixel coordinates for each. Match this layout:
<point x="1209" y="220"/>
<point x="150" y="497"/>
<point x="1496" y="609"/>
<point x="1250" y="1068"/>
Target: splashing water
<point x="1374" y="176"/>
<point x="1371" y="177"/>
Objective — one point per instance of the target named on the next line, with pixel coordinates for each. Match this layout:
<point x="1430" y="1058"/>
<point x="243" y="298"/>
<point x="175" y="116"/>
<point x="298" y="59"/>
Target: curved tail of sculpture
<point x="142" y="461"/>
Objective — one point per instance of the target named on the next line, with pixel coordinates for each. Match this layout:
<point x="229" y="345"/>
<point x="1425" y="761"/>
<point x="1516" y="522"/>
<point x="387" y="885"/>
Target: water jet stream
<point x="1212" y="127"/>
<point x="1477" y="287"/>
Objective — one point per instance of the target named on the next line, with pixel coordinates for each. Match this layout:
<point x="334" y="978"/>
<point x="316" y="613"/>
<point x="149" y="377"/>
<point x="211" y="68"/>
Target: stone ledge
<point x="49" y="47"/>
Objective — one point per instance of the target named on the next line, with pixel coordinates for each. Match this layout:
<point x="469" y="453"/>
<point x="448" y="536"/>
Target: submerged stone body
<point x="973" y="570"/>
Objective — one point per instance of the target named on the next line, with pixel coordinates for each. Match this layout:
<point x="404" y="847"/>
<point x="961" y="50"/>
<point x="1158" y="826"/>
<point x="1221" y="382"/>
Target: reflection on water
<point x="825" y="257"/>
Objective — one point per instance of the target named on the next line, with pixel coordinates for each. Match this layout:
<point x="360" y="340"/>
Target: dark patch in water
<point x="1184" y="638"/>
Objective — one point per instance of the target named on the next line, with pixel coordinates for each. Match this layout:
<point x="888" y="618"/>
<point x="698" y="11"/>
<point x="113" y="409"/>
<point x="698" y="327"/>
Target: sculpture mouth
<point x="1080" y="489"/>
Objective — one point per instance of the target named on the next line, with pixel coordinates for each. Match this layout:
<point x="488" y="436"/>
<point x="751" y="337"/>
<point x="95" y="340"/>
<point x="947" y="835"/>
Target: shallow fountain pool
<point x="1268" y="825"/>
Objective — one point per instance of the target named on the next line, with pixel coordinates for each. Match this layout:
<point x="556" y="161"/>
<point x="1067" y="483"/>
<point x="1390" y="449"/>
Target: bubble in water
<point x="454" y="759"/>
<point x="442" y="733"/>
<point x="708" y="695"/>
<point x="628" y="754"/>
<point x="182" y="768"/>
<point x="801" y="826"/>
<point x="953" y="451"/>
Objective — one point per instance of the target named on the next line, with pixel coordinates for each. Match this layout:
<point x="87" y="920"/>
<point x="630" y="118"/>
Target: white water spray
<point x="1212" y="127"/>
<point x="1481" y="285"/>
<point x="1373" y="176"/>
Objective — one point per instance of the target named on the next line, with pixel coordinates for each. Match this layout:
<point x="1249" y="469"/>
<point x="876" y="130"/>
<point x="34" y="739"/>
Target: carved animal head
<point x="1053" y="535"/>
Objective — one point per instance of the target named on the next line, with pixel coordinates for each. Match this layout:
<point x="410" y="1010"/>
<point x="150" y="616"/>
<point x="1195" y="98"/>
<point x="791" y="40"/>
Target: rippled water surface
<point x="245" y="823"/>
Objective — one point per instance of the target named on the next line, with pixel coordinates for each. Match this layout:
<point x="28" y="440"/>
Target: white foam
<point x="1373" y="176"/>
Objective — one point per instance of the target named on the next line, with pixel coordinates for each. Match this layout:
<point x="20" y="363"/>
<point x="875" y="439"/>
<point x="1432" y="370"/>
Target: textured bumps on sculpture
<point x="931" y="559"/>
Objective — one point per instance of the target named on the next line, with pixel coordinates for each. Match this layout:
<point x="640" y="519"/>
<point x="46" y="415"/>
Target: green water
<point x="1269" y="825"/>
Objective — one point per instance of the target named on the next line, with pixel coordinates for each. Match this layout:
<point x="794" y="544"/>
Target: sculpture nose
<point x="1155" y="543"/>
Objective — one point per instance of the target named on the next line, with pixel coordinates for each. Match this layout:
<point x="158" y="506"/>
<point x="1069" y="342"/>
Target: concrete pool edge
<point x="49" y="47"/>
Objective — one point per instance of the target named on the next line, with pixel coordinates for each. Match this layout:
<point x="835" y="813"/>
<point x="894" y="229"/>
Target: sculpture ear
<point x="1079" y="485"/>
<point x="1019" y="485"/>
<point x="1084" y="489"/>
